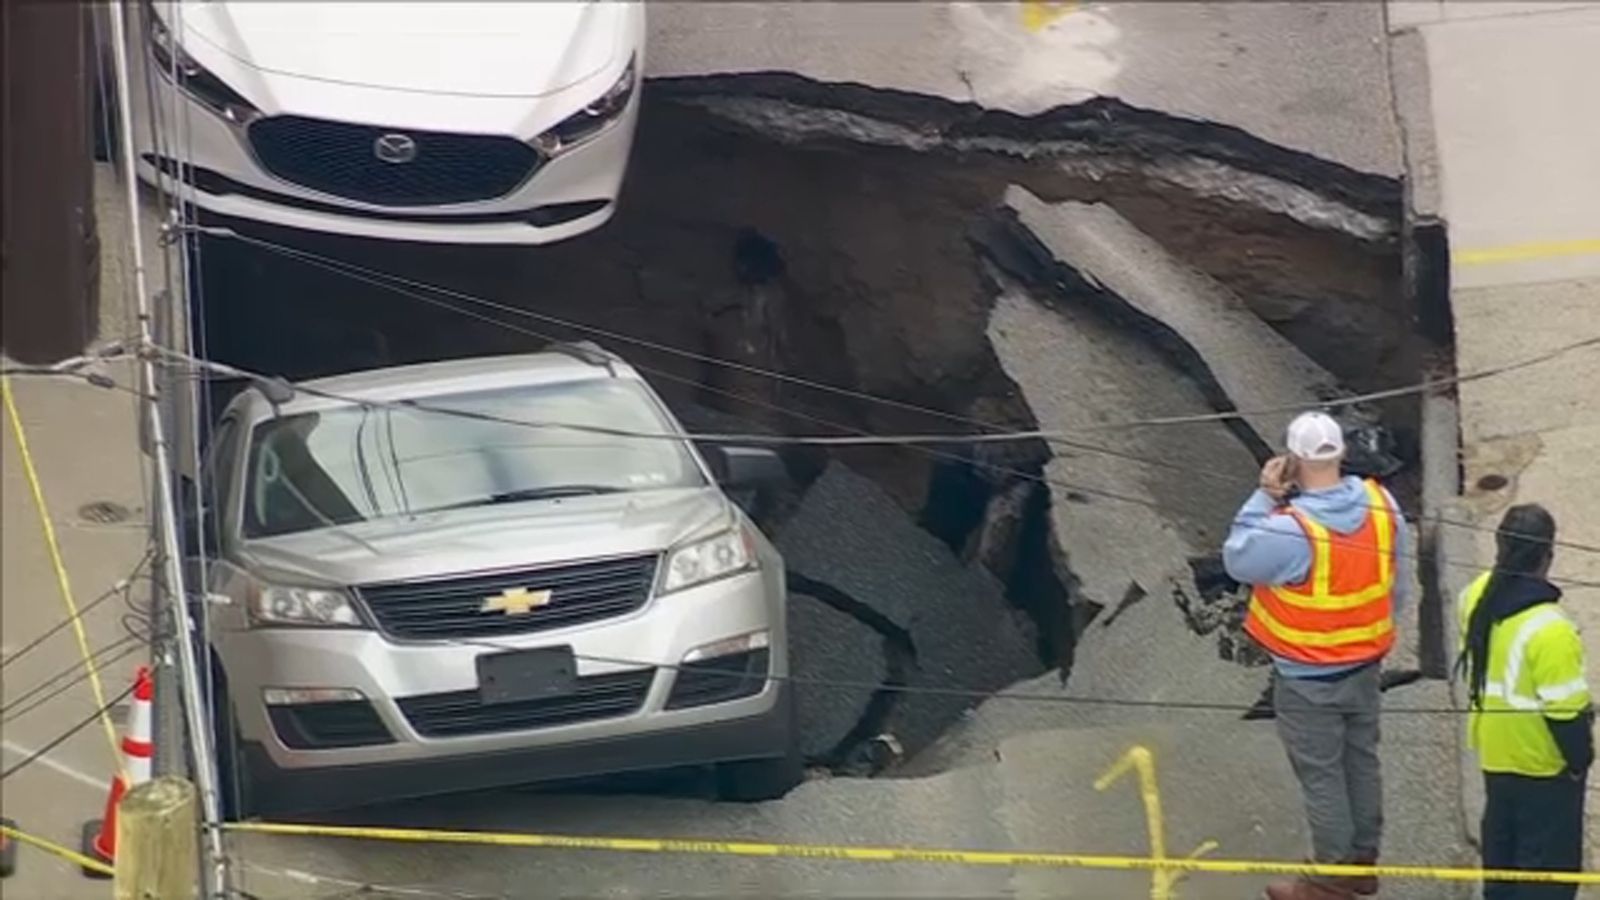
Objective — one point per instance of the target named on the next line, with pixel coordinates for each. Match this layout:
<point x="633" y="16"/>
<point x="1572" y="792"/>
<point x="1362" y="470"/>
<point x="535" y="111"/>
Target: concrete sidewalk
<point x="1514" y="141"/>
<point x="83" y="442"/>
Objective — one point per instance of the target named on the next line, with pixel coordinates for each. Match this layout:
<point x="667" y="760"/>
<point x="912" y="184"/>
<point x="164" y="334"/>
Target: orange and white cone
<point x="100" y="835"/>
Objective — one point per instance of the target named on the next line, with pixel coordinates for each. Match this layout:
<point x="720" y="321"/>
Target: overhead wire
<point x="120" y="588"/>
<point x="130" y="645"/>
<point x="994" y="433"/>
<point x="136" y="638"/>
<point x="1054" y="440"/>
<point x="953" y="691"/>
<point x="1353" y="399"/>
<point x="682" y="437"/>
<point x="165" y="507"/>
<point x="191" y="302"/>
<point x="53" y="550"/>
<point x="89" y="660"/>
<point x="102" y="712"/>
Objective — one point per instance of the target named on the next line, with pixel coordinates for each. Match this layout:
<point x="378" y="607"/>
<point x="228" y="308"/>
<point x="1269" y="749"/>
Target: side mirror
<point x="739" y="468"/>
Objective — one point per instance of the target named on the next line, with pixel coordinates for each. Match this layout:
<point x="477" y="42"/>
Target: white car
<point x="451" y="122"/>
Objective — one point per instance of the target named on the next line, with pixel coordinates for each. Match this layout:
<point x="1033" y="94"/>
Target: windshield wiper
<point x="552" y="492"/>
<point x="547" y="493"/>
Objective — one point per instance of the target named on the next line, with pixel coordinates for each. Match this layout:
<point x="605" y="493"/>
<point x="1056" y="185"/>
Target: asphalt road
<point x="1306" y="75"/>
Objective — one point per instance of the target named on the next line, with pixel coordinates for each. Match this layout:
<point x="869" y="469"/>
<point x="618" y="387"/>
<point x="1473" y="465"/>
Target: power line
<point x="66" y="735"/>
<point x="957" y="692"/>
<point x="419" y="406"/>
<point x="946" y="455"/>
<point x="118" y="588"/>
<point x="386" y="277"/>
<point x="996" y="433"/>
<point x="126" y="652"/>
<point x="87" y="662"/>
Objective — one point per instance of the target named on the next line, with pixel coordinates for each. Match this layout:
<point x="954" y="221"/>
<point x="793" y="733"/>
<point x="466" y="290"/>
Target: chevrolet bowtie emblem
<point x="515" y="602"/>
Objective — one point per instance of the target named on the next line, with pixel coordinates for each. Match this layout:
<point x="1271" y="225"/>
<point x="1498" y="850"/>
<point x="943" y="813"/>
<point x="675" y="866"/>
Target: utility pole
<point x="213" y="874"/>
<point x="49" y="251"/>
<point x="155" y="842"/>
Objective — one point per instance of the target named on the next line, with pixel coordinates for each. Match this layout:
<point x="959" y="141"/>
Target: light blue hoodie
<point x="1268" y="547"/>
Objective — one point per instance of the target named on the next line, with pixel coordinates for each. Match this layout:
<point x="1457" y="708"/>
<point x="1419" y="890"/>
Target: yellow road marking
<point x="1528" y="251"/>
<point x="1036" y="14"/>
<point x="71" y="856"/>
<point x="859" y="853"/>
<point x="1163" y="882"/>
<point x="62" y="582"/>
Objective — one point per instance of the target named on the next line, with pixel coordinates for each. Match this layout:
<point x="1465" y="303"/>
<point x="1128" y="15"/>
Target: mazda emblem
<point x="395" y="148"/>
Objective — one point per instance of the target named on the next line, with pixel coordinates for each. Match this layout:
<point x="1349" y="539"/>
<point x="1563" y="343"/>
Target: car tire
<point x="235" y="785"/>
<point x="756" y="780"/>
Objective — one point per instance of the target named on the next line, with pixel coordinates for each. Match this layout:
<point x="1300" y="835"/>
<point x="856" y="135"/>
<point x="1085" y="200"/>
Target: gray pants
<point x="1330" y="730"/>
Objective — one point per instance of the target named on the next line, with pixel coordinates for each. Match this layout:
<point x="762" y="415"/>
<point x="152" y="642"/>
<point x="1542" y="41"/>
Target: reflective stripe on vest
<point x="1342" y="612"/>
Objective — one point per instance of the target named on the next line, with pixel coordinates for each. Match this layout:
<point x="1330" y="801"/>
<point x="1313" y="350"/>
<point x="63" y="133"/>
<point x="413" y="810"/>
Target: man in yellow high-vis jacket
<point x="1531" y="720"/>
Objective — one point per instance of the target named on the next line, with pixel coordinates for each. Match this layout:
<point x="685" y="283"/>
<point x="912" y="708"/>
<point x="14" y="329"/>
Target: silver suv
<point x="405" y="600"/>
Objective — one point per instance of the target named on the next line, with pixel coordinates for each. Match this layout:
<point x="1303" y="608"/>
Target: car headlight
<point x="723" y="554"/>
<point x="192" y="77"/>
<point x="276" y="604"/>
<point x="592" y="119"/>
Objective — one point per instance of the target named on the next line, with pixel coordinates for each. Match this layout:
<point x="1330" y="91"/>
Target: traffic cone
<point x="100" y="835"/>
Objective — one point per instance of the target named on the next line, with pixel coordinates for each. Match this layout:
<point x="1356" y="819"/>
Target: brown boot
<point x="1301" y="889"/>
<point x="1364" y="885"/>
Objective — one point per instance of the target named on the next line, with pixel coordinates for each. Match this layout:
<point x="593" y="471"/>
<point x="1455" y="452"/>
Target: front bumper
<point x="388" y="671"/>
<point x="277" y="791"/>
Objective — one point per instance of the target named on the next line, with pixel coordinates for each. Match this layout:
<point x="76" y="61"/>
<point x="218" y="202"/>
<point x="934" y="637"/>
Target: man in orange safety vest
<point x="1327" y="559"/>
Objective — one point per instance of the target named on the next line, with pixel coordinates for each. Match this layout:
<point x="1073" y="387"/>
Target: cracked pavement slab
<point x="1252" y="366"/>
<point x="963" y="630"/>
<point x="828" y="643"/>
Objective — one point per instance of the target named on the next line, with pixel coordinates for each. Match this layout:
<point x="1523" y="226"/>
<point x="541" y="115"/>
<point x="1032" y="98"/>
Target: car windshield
<point x="356" y="464"/>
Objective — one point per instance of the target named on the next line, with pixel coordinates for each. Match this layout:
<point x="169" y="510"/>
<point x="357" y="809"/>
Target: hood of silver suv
<point x="490" y="537"/>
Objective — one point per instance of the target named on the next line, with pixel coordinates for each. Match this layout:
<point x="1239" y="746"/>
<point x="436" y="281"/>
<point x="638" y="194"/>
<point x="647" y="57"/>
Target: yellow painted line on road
<point x="1139" y="759"/>
<point x="1529" y="251"/>
<point x="52" y="847"/>
<point x="860" y="853"/>
<point x="1037" y="14"/>
<point x="63" y="583"/>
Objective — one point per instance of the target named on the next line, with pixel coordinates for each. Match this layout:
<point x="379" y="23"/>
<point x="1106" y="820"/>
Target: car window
<point x="352" y="464"/>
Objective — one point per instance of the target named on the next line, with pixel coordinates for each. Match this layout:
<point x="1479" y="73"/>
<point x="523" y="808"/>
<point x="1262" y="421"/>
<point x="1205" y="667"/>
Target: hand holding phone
<point x="1278" y="477"/>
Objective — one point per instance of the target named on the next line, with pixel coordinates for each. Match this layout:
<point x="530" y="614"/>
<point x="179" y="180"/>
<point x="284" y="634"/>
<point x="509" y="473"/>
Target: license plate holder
<point x="520" y="675"/>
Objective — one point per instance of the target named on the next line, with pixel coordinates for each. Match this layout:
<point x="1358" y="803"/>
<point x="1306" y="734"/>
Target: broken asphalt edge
<point x="1104" y="123"/>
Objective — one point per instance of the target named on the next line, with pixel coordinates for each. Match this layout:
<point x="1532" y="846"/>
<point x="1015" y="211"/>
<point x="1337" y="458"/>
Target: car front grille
<point x="594" y="697"/>
<point x="342" y="159"/>
<point x="454" y="608"/>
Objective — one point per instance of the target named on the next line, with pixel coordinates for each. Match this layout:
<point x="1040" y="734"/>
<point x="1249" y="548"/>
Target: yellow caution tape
<point x="63" y="583"/>
<point x="72" y="856"/>
<point x="853" y="853"/>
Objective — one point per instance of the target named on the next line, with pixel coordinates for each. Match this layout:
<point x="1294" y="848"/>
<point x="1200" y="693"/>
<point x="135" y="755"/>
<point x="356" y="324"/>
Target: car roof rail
<point x="586" y="352"/>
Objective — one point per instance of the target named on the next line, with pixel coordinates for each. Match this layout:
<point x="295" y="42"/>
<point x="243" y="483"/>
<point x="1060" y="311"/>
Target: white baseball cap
<point x="1315" y="437"/>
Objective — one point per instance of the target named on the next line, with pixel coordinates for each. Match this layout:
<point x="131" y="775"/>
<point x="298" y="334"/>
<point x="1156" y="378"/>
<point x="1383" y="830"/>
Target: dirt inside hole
<point x="836" y="263"/>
